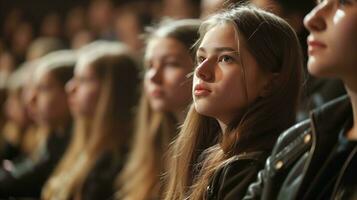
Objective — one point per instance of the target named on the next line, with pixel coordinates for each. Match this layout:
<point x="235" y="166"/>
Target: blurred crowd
<point x="81" y="113"/>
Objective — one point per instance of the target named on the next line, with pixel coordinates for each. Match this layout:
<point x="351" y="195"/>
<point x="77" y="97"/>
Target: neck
<point x="352" y="92"/>
<point x="223" y="125"/>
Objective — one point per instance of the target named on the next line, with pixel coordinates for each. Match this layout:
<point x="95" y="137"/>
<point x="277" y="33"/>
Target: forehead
<point x="39" y="73"/>
<point x="163" y="46"/>
<point x="222" y="35"/>
<point x="44" y="76"/>
<point x="83" y="67"/>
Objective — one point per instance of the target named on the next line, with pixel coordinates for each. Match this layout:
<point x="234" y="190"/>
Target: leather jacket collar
<point x="326" y="122"/>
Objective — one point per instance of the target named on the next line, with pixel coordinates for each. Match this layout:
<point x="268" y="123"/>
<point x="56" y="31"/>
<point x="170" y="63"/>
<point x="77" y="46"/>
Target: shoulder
<point x="233" y="178"/>
<point x="290" y="145"/>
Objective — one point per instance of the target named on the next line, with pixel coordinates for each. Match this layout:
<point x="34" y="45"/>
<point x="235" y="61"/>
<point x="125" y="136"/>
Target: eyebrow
<point x="219" y="49"/>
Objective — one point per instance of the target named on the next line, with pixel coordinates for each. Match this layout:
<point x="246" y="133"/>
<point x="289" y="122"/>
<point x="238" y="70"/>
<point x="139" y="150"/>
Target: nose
<point x="70" y="87"/>
<point x="204" y="71"/>
<point x="154" y="74"/>
<point x="315" y="20"/>
<point x="31" y="97"/>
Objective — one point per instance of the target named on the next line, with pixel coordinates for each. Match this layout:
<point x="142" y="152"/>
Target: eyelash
<point x="223" y="57"/>
<point x="200" y="59"/>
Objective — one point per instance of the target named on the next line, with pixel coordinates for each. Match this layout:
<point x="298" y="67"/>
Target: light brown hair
<point x="140" y="178"/>
<point x="107" y="131"/>
<point x="275" y="47"/>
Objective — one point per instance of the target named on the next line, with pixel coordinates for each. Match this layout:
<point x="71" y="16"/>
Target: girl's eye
<point x="172" y="64"/>
<point x="226" y="59"/>
<point x="344" y="2"/>
<point x="200" y="59"/>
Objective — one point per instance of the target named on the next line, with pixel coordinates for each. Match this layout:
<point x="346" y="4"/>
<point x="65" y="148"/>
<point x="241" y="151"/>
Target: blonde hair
<point x="140" y="178"/>
<point x="108" y="130"/>
<point x="201" y="148"/>
<point x="60" y="63"/>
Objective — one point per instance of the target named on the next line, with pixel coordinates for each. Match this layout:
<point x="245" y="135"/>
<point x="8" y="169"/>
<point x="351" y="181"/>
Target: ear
<point x="269" y="85"/>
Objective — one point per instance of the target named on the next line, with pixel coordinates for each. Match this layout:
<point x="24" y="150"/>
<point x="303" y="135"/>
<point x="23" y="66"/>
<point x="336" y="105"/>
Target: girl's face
<point x="15" y="110"/>
<point x="50" y="100"/>
<point x="83" y="91"/>
<point x="221" y="88"/>
<point x="333" y="39"/>
<point x="165" y="83"/>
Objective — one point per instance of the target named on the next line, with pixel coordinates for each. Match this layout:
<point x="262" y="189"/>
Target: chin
<point x="158" y="107"/>
<point x="203" y="110"/>
<point x="320" y="70"/>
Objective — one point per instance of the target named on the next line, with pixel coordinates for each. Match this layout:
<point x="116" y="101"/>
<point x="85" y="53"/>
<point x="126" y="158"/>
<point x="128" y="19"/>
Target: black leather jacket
<point x="299" y="154"/>
<point x="231" y="181"/>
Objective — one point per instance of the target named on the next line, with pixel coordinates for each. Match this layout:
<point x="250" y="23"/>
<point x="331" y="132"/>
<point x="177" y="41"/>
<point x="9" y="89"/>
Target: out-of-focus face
<point x="332" y="43"/>
<point x="15" y="110"/>
<point x="83" y="91"/>
<point x="208" y="7"/>
<point x="50" y="100"/>
<point x="227" y="79"/>
<point x="168" y="62"/>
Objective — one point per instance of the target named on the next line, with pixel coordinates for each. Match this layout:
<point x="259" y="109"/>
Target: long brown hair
<point x="274" y="45"/>
<point x="108" y="130"/>
<point x="140" y="178"/>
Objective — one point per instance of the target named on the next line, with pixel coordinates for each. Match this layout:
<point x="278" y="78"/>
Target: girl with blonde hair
<point x="166" y="94"/>
<point x="27" y="175"/>
<point x="102" y="95"/>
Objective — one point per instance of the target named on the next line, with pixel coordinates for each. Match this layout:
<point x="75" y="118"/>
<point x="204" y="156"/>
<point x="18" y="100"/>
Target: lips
<point x="156" y="93"/>
<point x="201" y="90"/>
<point x="314" y="45"/>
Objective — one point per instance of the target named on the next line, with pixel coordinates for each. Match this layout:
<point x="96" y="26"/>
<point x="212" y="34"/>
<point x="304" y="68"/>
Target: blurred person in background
<point x="209" y="7"/>
<point x="51" y="25"/>
<point x="18" y="123"/>
<point x="42" y="46"/>
<point x="128" y="27"/>
<point x="100" y="18"/>
<point x="11" y="21"/>
<point x="22" y="136"/>
<point x="102" y="96"/>
<point x="26" y="176"/>
<point x="74" y="22"/>
<point x="180" y="9"/>
<point x="21" y="39"/>
<point x="165" y="96"/>
<point x="81" y="39"/>
<point x="7" y="66"/>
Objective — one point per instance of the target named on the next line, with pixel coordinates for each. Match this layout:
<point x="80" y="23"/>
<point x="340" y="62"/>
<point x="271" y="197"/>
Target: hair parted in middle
<point x="200" y="143"/>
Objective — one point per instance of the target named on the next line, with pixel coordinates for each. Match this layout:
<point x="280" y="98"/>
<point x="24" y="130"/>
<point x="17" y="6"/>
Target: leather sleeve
<point x="255" y="189"/>
<point x="232" y="181"/>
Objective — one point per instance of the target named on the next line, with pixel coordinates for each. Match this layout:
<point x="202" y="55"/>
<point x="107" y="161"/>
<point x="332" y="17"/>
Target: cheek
<point x="340" y="53"/>
<point x="178" y="87"/>
<point x="88" y="98"/>
<point x="347" y="41"/>
<point x="147" y="85"/>
<point x="234" y="92"/>
<point x="175" y="79"/>
<point x="51" y="105"/>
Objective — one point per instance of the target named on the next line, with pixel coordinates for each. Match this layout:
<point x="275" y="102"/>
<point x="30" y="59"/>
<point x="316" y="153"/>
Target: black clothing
<point x="28" y="176"/>
<point x="231" y="181"/>
<point x="99" y="183"/>
<point x="313" y="159"/>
